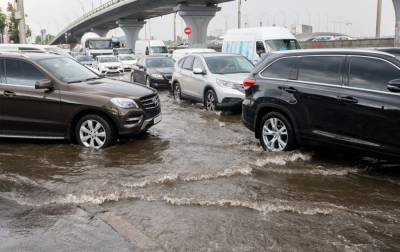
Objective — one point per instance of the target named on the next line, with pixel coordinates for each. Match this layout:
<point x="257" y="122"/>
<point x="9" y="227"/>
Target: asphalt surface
<point x="199" y="181"/>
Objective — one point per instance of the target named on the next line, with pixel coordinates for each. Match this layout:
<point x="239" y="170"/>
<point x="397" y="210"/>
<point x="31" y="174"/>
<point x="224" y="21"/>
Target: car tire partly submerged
<point x="210" y="100"/>
<point x="177" y="92"/>
<point x="276" y="133"/>
<point x="95" y="132"/>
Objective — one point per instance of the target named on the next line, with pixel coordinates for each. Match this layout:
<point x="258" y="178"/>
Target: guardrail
<point x="95" y="10"/>
<point x="357" y="43"/>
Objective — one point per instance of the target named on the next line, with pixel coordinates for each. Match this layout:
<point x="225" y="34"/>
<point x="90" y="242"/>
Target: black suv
<point x="348" y="97"/>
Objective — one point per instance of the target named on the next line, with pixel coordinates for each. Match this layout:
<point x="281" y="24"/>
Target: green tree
<point x="3" y="24"/>
<point x="13" y="30"/>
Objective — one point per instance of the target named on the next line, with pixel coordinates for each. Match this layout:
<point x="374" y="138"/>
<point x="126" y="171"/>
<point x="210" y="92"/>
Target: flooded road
<point x="199" y="181"/>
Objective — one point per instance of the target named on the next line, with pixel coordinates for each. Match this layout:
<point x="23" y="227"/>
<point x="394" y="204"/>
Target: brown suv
<point x="44" y="96"/>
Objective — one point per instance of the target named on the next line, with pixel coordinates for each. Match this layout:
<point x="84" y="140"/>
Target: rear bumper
<point x="248" y="115"/>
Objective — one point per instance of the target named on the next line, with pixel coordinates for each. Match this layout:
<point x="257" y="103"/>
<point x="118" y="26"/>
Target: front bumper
<point x="135" y="125"/>
<point x="230" y="103"/>
<point x="160" y="83"/>
<point x="112" y="71"/>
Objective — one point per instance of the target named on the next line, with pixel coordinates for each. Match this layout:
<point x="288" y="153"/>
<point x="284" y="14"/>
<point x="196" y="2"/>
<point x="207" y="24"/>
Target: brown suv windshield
<point x="67" y="70"/>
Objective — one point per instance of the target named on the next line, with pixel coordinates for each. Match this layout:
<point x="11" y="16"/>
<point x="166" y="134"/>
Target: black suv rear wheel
<point x="93" y="131"/>
<point x="276" y="133"/>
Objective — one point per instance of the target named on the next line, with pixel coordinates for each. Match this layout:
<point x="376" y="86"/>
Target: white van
<point x="150" y="47"/>
<point x="254" y="43"/>
<point x="180" y="53"/>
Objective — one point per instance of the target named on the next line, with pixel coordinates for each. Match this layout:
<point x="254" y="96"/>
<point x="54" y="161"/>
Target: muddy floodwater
<point x="199" y="181"/>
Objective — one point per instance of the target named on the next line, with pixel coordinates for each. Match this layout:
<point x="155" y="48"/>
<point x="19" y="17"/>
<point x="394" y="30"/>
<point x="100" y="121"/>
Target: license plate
<point x="157" y="119"/>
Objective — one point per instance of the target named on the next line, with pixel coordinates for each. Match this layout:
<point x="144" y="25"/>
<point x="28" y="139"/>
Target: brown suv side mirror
<point x="44" y="84"/>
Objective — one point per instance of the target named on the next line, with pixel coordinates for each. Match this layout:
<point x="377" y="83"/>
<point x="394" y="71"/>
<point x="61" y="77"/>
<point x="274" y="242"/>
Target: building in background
<point x="301" y="29"/>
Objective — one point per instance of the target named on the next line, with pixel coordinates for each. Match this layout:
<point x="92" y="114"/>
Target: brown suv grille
<point x="151" y="106"/>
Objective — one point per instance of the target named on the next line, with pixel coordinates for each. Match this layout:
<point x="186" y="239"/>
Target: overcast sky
<point x="324" y="15"/>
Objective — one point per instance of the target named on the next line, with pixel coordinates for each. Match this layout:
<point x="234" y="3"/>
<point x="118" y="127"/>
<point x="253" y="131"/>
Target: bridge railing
<point x="95" y="10"/>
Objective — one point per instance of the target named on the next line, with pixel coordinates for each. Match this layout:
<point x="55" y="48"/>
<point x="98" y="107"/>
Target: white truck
<point x="93" y="45"/>
<point x="255" y="43"/>
<point x="150" y="47"/>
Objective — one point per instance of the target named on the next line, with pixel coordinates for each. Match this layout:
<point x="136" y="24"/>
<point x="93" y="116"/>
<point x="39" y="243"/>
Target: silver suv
<point x="214" y="79"/>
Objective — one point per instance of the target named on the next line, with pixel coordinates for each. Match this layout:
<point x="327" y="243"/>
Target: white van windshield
<point x="159" y="49"/>
<point x="282" y="45"/>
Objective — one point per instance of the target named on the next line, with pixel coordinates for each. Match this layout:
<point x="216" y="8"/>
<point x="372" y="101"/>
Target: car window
<point x="228" y="64"/>
<point x="321" y="69"/>
<point x="67" y="70"/>
<point x="281" y="69"/>
<point x="188" y="63"/>
<point x="371" y="73"/>
<point x="19" y="72"/>
<point x="198" y="64"/>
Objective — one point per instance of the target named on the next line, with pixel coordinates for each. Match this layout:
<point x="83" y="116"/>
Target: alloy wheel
<point x="92" y="134"/>
<point x="275" y="134"/>
<point x="210" y="101"/>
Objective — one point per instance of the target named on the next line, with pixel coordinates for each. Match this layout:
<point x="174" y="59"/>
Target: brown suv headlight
<point x="124" y="103"/>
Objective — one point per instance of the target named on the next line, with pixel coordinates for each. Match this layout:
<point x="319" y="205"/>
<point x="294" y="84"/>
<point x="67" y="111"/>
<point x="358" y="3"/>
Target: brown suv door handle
<point x="9" y="93"/>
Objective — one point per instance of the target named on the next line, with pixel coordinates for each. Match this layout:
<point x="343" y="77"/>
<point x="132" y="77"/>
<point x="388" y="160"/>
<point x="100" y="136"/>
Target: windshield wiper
<point x="94" y="78"/>
<point x="77" y="81"/>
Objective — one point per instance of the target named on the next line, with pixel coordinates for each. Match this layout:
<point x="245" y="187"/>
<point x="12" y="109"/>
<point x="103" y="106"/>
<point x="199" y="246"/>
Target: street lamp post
<point x="239" y="14"/>
<point x="378" y="19"/>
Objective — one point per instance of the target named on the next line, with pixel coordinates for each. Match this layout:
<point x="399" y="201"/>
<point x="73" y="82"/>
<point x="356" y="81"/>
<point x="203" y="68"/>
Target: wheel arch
<point x="75" y="119"/>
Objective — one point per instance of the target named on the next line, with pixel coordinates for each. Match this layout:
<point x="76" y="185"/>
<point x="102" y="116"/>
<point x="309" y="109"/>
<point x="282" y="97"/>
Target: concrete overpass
<point x="130" y="16"/>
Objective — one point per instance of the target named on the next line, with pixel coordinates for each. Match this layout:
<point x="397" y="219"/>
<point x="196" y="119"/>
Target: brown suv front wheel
<point x="93" y="131"/>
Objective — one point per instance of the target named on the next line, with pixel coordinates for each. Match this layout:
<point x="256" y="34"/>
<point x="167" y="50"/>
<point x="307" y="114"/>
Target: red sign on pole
<point x="188" y="31"/>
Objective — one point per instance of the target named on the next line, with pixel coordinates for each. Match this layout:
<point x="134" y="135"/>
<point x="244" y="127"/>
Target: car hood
<point x="113" y="88"/>
<point x="110" y="64"/>
<point x="236" y="78"/>
<point x="164" y="70"/>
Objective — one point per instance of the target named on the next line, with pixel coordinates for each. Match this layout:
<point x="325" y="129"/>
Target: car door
<point x="186" y="81"/>
<point x="139" y="72"/>
<point x="26" y="110"/>
<point x="198" y="81"/>
<point x="316" y="91"/>
<point x="371" y="110"/>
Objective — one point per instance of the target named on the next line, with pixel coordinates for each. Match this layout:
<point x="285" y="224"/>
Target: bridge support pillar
<point x="100" y="31"/>
<point x="197" y="17"/>
<point x="396" y="4"/>
<point x="131" y="28"/>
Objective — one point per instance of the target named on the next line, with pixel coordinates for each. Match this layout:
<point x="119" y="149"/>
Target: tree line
<point x="9" y="25"/>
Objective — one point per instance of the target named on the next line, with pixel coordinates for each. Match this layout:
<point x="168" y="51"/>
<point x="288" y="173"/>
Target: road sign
<point x="188" y="31"/>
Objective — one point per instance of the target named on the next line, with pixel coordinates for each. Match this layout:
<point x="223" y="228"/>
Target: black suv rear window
<point x="321" y="69"/>
<point x="281" y="69"/>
